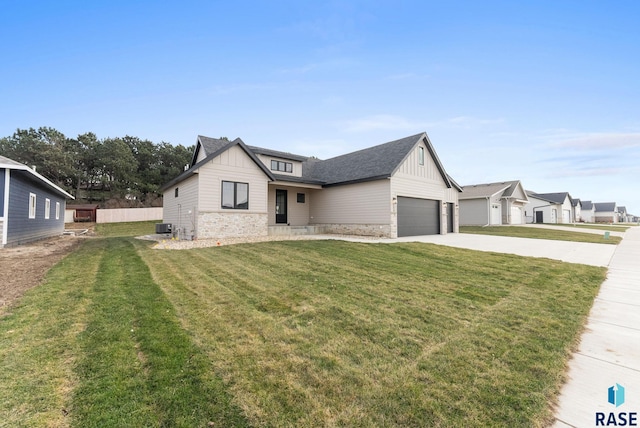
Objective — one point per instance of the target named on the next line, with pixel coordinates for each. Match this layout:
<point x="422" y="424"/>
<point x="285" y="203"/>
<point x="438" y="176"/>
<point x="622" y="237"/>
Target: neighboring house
<point x="605" y="212"/>
<point x="230" y="189"/>
<point x="624" y="216"/>
<point x="577" y="210"/>
<point x="549" y="208"/>
<point x="31" y="207"/>
<point x="492" y="204"/>
<point x="588" y="212"/>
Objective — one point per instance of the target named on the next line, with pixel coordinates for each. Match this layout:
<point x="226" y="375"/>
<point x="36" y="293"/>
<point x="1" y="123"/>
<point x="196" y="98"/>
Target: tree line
<point x="113" y="172"/>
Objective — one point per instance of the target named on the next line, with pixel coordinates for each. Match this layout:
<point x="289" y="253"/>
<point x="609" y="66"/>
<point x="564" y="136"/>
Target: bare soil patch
<point x="25" y="266"/>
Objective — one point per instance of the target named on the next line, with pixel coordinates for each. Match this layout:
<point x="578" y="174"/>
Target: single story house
<point x="31" y="206"/>
<point x="230" y="189"/>
<point x="587" y="212"/>
<point x="493" y="204"/>
<point x="549" y="208"/>
<point x="605" y="212"/>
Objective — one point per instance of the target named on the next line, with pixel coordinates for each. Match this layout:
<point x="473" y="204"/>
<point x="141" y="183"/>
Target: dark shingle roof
<point x="373" y="163"/>
<point x="556" y="198"/>
<point x="277" y="154"/>
<point x="587" y="205"/>
<point x="213" y="147"/>
<point x="604" y="206"/>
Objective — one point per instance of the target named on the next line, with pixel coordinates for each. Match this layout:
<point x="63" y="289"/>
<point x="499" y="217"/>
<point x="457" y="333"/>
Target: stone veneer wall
<point x="378" y="230"/>
<point x="232" y="224"/>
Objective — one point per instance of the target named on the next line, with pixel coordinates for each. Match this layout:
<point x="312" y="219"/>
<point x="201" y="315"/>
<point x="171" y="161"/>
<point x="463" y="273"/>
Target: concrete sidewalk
<point x="609" y="351"/>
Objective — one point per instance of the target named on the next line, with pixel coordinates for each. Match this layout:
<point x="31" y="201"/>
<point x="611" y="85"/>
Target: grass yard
<point x="298" y="333"/>
<point x="329" y="333"/>
<point x="99" y="345"/>
<point x="540" y="233"/>
<point x="134" y="228"/>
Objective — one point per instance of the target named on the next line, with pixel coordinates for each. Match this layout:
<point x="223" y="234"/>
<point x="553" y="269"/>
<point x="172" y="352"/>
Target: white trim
<point x="5" y="214"/>
<point x="57" y="210"/>
<point x="33" y="205"/>
<point x="47" y="208"/>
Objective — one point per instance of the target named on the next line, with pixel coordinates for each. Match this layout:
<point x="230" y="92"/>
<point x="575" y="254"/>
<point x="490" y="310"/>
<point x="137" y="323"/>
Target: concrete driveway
<point x="566" y="251"/>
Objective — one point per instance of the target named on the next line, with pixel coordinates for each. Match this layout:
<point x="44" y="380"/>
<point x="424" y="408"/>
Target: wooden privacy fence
<point x="119" y="215"/>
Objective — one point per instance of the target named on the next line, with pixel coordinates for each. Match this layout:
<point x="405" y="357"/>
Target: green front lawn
<point x="540" y="233"/>
<point x="133" y="228"/>
<point x="298" y="333"/>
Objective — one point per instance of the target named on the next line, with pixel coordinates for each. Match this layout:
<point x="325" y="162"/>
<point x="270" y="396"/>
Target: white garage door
<point x="418" y="216"/>
<point x="566" y="216"/>
<point x="516" y="215"/>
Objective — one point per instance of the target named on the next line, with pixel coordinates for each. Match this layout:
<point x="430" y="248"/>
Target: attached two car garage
<point x="421" y="216"/>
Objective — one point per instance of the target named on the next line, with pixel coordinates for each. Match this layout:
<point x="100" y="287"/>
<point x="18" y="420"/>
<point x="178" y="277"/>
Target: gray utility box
<point x="162" y="228"/>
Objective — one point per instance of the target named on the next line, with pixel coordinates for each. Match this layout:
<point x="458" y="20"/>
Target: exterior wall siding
<point x="176" y="209"/>
<point x="20" y="228"/>
<point x="197" y="212"/>
<point x="232" y="165"/>
<point x="297" y="213"/>
<point x="360" y="203"/>
<point x="474" y="212"/>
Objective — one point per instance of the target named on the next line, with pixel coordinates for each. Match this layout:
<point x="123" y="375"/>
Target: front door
<point x="281" y="206"/>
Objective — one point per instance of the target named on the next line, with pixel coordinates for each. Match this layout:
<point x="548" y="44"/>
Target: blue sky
<point x="547" y="92"/>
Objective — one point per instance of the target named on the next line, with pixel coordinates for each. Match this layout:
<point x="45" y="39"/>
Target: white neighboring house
<point x="624" y="216"/>
<point x="577" y="210"/>
<point x="588" y="212"/>
<point x="549" y="208"/>
<point x="492" y="204"/>
<point x="606" y="212"/>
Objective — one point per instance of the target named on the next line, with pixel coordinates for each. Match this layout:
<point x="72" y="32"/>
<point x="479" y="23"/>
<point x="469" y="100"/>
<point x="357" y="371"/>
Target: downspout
<point x="488" y="211"/>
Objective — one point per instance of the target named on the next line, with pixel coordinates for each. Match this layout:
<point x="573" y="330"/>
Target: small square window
<point x="301" y="198"/>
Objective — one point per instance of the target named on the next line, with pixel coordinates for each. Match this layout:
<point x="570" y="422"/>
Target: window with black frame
<point x="235" y="196"/>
